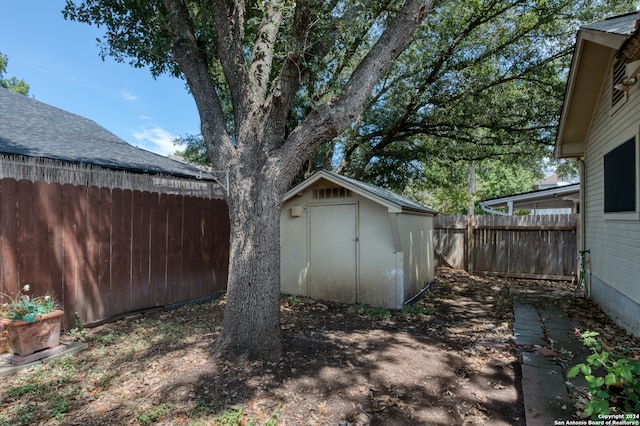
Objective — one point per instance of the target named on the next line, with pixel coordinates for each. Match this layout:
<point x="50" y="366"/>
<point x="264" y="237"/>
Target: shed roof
<point x="395" y="203"/>
<point x="34" y="129"/>
<point x="595" y="46"/>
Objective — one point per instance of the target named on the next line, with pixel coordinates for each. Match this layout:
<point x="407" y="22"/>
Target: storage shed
<point x="347" y="241"/>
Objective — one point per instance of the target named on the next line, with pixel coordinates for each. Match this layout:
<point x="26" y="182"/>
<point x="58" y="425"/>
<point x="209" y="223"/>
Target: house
<point x="551" y="200"/>
<point x="348" y="241"/>
<point x="99" y="224"/>
<point x="552" y="180"/>
<point x="599" y="125"/>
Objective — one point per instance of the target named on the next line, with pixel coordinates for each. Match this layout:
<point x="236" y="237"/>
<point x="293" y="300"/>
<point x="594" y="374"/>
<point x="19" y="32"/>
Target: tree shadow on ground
<point x="451" y="364"/>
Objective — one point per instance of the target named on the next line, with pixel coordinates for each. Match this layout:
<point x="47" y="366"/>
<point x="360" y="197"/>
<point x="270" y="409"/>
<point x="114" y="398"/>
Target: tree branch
<point x="195" y="66"/>
<point x="334" y="116"/>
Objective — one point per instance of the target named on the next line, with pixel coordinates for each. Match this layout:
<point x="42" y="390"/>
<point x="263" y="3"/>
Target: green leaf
<point x="585" y="369"/>
<point x="626" y="374"/>
<point x="573" y="371"/>
<point x="600" y="407"/>
<point x="588" y="409"/>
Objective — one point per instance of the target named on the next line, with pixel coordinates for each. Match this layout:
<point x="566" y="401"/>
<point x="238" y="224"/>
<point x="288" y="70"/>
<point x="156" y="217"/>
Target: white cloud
<point x="155" y="139"/>
<point x="128" y="96"/>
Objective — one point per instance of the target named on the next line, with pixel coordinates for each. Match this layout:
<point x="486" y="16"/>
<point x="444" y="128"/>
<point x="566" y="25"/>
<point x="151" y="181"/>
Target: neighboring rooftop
<point x="33" y="129"/>
<point x="557" y="197"/>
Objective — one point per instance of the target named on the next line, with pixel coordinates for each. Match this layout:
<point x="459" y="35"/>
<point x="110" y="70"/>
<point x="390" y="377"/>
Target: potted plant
<point x="32" y="323"/>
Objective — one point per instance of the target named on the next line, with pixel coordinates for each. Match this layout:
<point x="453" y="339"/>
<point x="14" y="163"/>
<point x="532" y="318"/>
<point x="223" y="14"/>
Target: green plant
<point x="414" y="310"/>
<point x="273" y="420"/>
<point x="229" y="417"/>
<point x="375" y="312"/>
<point x="27" y="308"/>
<point x="612" y="379"/>
<point x="155" y="414"/>
<point x="293" y="300"/>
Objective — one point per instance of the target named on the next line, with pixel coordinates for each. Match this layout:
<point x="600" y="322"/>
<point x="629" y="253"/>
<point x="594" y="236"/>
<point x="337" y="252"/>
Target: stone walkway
<point x="9" y="366"/>
<point x="546" y="337"/>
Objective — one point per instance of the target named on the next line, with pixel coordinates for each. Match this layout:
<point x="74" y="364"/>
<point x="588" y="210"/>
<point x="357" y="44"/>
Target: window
<point x="620" y="178"/>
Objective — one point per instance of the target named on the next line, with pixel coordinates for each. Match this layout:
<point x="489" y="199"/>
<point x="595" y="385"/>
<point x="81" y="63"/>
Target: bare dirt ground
<point x="449" y="361"/>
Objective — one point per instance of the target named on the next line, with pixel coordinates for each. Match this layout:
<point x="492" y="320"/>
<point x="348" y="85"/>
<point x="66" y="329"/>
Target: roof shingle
<point x="34" y="129"/>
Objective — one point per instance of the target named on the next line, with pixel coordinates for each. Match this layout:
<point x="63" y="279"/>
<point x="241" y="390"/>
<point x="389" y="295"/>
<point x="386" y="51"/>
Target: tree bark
<point x="251" y="327"/>
<point x="471" y="187"/>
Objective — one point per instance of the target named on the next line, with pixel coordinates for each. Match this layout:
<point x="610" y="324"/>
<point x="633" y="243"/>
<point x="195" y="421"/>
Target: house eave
<point x="595" y="47"/>
<point x="593" y="52"/>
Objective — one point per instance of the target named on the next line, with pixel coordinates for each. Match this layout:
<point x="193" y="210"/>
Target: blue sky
<point x="60" y="61"/>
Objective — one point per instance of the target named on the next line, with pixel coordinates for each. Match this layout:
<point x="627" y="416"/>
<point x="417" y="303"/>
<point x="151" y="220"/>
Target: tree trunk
<point x="251" y="327"/>
<point x="471" y="188"/>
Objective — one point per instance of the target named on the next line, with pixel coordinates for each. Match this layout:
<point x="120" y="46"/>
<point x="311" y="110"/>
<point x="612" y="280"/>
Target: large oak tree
<point x="479" y="89"/>
<point x="253" y="66"/>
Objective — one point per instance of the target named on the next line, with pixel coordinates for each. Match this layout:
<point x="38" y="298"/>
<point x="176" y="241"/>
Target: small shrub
<point x="612" y="379"/>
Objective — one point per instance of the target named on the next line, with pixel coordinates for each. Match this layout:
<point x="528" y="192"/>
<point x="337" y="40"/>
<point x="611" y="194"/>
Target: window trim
<point x="626" y="215"/>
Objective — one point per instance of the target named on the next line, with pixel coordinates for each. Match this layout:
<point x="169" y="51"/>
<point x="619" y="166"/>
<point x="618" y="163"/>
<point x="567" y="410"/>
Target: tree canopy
<point x="12" y="83"/>
<point x="480" y="82"/>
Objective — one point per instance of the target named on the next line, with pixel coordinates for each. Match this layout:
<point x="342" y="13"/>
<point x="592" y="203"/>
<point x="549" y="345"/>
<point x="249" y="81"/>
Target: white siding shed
<point x="347" y="241"/>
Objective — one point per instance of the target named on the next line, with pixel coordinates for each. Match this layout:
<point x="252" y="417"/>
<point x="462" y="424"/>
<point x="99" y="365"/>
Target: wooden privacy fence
<point x="103" y="252"/>
<point x="539" y="247"/>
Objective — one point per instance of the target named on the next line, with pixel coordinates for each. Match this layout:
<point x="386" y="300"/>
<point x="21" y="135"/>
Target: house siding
<point x="614" y="244"/>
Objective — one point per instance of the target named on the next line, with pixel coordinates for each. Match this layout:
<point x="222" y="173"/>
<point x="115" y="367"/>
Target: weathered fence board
<point x="104" y="252"/>
<point x="542" y="247"/>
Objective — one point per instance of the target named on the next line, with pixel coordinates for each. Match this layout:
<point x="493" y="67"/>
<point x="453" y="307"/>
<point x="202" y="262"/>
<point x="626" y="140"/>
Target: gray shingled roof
<point x="370" y="191"/>
<point x="392" y="197"/>
<point x="34" y="129"/>
<point x="622" y="24"/>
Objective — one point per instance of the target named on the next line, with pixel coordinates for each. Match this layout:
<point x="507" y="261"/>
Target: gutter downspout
<point x="489" y="210"/>
<point x="583" y="221"/>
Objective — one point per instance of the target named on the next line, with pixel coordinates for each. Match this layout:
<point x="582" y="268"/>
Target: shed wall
<point x="614" y="241"/>
<point x="419" y="259"/>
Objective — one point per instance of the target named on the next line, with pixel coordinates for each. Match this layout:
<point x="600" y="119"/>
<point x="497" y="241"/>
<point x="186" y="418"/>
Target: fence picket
<point x="513" y="246"/>
<point x="103" y="252"/>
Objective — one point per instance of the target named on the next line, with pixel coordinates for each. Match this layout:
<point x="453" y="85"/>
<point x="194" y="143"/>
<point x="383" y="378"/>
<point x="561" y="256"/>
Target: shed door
<point x="332" y="252"/>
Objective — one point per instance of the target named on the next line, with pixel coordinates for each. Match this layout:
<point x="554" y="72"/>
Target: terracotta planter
<point x="26" y="338"/>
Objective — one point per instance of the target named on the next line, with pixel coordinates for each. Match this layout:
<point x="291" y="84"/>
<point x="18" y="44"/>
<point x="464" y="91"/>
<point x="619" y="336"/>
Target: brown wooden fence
<point x="103" y="252"/>
<point x="543" y="247"/>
